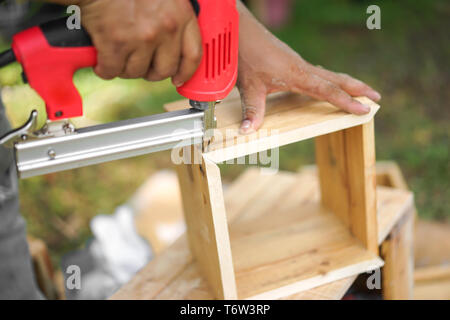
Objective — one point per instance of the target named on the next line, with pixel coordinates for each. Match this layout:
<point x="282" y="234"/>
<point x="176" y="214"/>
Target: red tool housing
<point x="217" y="74"/>
<point x="50" y="69"/>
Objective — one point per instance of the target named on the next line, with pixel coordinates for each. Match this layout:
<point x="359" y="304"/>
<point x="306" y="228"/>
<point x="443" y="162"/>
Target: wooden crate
<point x="175" y="274"/>
<point x="292" y="235"/>
<point x="293" y="248"/>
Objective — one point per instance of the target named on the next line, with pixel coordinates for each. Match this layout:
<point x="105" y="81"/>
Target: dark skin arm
<point x="268" y="65"/>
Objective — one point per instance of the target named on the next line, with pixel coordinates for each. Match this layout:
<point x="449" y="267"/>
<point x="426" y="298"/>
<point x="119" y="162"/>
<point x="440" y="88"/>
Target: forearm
<point x="247" y="21"/>
<point x="252" y="34"/>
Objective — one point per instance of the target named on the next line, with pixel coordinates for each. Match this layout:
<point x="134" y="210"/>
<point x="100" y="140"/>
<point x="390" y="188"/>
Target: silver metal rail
<point x="108" y="142"/>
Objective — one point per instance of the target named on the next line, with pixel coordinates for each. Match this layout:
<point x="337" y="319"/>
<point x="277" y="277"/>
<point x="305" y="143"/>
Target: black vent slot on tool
<point x="218" y="54"/>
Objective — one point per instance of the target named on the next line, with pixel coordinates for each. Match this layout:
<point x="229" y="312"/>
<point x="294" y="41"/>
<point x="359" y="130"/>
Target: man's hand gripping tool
<point x="50" y="54"/>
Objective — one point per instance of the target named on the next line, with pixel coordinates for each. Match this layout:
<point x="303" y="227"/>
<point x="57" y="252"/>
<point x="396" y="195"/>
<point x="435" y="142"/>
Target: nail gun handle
<point x="59" y="35"/>
<point x="50" y="55"/>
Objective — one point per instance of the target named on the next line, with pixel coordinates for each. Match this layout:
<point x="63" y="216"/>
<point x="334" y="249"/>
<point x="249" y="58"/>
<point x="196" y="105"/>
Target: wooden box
<point x="294" y="233"/>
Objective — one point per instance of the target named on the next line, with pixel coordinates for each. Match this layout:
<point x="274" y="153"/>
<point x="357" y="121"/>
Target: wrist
<point x="250" y="29"/>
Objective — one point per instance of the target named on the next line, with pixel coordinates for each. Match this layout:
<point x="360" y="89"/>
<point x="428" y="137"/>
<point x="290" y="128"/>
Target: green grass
<point x="407" y="61"/>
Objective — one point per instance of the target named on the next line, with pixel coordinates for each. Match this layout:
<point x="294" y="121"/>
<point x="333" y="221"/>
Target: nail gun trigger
<point x="22" y="133"/>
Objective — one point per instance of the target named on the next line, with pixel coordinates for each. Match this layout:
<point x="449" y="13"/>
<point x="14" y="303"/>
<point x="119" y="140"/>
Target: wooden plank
<point x="433" y="273"/>
<point x="331" y="291"/>
<point x="284" y="253"/>
<point x="393" y="203"/>
<point x="154" y="278"/>
<point x="431" y="243"/>
<point x="289" y="118"/>
<point x="238" y="201"/>
<point x="190" y="285"/>
<point x="432" y="283"/>
<point x="431" y="239"/>
<point x="360" y="147"/>
<point x="389" y="174"/>
<point x="333" y="176"/>
<point x="207" y="227"/>
<point x="43" y="269"/>
<point x="432" y="290"/>
<point x="397" y="252"/>
<point x="346" y="162"/>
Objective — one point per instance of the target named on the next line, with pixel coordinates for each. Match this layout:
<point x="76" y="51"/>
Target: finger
<point x="191" y="54"/>
<point x="322" y="89"/>
<point x="253" y="99"/>
<point x="110" y="61"/>
<point x="166" y="59"/>
<point x="138" y="63"/>
<point x="351" y="85"/>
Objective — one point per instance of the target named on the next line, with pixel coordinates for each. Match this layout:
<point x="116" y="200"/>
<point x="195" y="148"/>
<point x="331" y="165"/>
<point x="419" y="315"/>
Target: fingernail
<point x="178" y="84"/>
<point x="366" y="108"/>
<point x="374" y="96"/>
<point x="246" y="127"/>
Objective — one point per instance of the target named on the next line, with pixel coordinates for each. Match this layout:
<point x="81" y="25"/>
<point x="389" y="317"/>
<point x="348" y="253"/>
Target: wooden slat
<point x="331" y="161"/>
<point x="397" y="252"/>
<point x="432" y="283"/>
<point x="43" y="269"/>
<point x="393" y="203"/>
<point x="432" y="290"/>
<point x="157" y="275"/>
<point x="389" y="174"/>
<point x="346" y="161"/>
<point x="238" y="201"/>
<point x="283" y="256"/>
<point x="431" y="243"/>
<point x="289" y="118"/>
<point x="433" y="273"/>
<point x="331" y="291"/>
<point x="204" y="211"/>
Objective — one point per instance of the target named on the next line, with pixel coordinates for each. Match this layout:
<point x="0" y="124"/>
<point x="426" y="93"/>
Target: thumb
<point x="253" y="102"/>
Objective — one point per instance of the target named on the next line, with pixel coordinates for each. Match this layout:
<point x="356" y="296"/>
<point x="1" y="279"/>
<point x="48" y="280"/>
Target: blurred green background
<point x="407" y="61"/>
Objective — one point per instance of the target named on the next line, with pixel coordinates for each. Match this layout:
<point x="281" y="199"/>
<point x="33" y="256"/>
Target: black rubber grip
<point x="7" y="57"/>
<point x="58" y="35"/>
<point x="196" y="7"/>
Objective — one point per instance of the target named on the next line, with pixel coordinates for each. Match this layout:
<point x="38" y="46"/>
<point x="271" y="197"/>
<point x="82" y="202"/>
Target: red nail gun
<point x="50" y="54"/>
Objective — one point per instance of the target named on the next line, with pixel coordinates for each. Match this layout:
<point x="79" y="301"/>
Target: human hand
<point x="268" y="65"/>
<point x="154" y="39"/>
